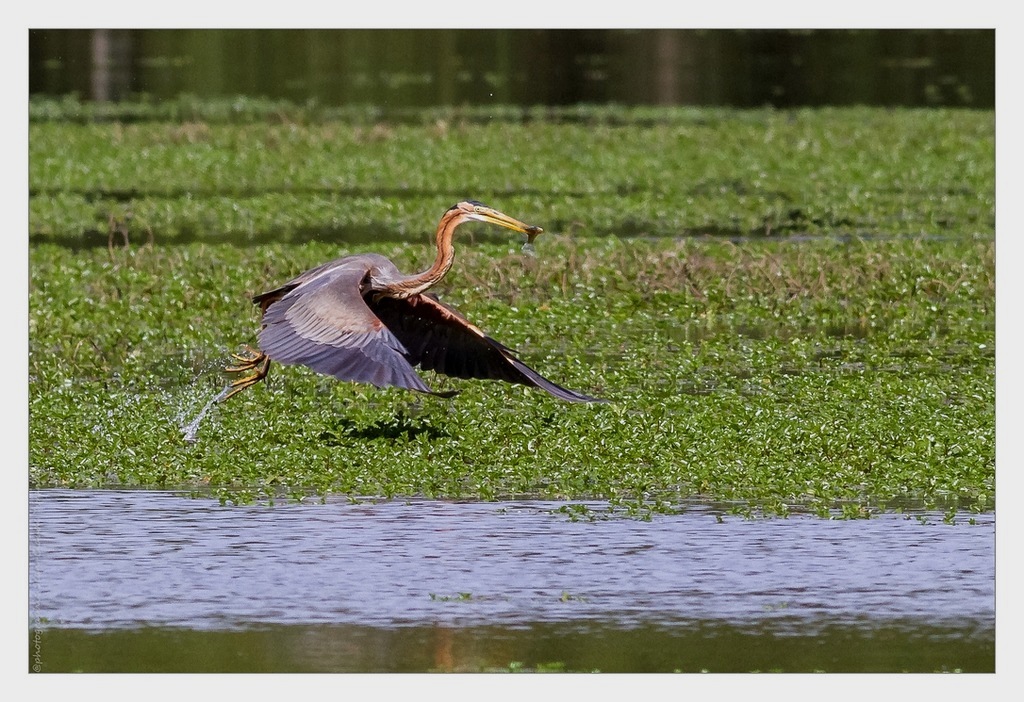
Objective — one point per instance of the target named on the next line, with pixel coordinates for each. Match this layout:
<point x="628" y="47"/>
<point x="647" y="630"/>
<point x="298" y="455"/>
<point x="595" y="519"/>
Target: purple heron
<point x="358" y="318"/>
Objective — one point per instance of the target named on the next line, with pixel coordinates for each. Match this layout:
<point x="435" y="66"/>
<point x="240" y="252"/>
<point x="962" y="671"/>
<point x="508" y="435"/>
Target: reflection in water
<point x="431" y="585"/>
<point x="573" y="647"/>
<point x="420" y="68"/>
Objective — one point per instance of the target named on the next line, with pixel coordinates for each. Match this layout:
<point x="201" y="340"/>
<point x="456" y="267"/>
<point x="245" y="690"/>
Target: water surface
<point x="530" y="67"/>
<point x="393" y="585"/>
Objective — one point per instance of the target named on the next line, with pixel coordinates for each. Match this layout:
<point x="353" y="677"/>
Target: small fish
<point x="531" y="234"/>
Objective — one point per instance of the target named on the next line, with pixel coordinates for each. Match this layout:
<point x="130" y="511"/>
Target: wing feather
<point x="330" y="320"/>
<point x="437" y="337"/>
<point x="324" y="323"/>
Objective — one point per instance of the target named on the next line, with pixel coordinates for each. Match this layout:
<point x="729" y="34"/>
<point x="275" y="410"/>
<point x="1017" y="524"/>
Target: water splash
<point x="190" y="431"/>
<point x="529" y="250"/>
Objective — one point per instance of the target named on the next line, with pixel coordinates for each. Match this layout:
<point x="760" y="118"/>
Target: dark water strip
<point x="711" y="647"/>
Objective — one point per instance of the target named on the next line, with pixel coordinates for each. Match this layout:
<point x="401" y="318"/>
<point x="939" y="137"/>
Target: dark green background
<point x="418" y="68"/>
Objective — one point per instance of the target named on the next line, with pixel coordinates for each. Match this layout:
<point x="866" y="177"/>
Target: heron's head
<point x="471" y="210"/>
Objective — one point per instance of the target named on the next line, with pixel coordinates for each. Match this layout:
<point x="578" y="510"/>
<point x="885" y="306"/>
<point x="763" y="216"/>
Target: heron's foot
<point x="247" y="360"/>
<point x="254" y="364"/>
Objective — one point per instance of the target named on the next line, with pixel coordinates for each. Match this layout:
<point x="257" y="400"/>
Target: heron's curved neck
<point x="416" y="284"/>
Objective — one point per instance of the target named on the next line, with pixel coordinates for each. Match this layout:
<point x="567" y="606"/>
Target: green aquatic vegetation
<point x="461" y="597"/>
<point x="838" y="361"/>
<point x="865" y="376"/>
<point x="854" y="171"/>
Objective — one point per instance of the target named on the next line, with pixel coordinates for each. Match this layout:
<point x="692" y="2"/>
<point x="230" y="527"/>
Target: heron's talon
<point x="244" y="365"/>
<point x="256" y="366"/>
<point x="251" y="356"/>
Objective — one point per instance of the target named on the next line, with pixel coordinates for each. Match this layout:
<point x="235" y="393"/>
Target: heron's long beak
<point x="486" y="214"/>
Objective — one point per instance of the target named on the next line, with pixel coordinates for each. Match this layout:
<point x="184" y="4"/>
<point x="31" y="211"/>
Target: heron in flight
<point x="358" y="318"/>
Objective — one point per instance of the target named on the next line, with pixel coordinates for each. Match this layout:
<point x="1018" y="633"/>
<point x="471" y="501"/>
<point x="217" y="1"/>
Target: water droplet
<point x="191" y="430"/>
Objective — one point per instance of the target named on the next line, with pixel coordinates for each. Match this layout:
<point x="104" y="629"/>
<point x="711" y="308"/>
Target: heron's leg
<point x="255" y="365"/>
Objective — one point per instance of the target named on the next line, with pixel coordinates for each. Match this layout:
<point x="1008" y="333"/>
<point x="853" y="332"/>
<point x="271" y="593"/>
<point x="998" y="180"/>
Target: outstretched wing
<point x="438" y="338"/>
<point x="324" y="323"/>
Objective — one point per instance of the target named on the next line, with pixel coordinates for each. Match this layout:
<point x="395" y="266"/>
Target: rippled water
<point x="103" y="561"/>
